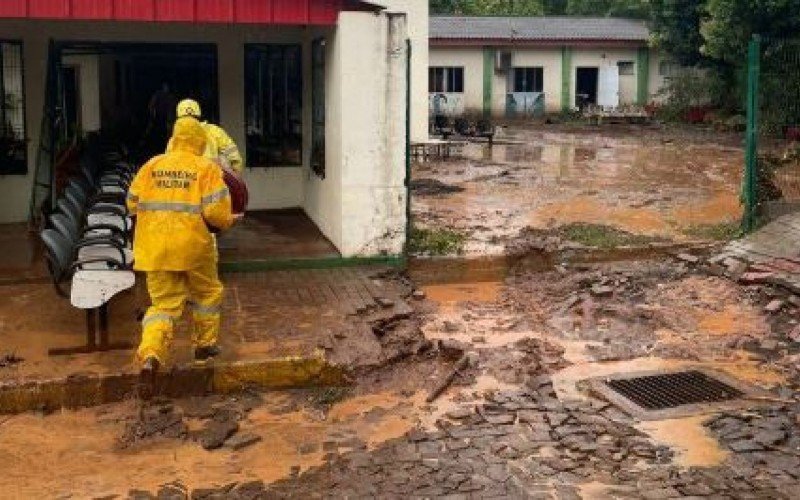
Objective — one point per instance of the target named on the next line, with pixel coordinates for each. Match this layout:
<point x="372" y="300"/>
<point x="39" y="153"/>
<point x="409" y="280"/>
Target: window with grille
<point x="13" y="144"/>
<point x="529" y="79"/>
<point x="448" y="80"/>
<point x="626" y="68"/>
<point x="274" y="104"/>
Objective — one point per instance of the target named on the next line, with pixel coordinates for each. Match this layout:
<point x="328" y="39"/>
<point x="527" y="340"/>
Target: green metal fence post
<point x="751" y="151"/>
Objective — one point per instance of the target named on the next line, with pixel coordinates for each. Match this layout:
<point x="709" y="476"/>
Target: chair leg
<point x="91" y="329"/>
<point x="92" y="332"/>
<point x="103" y="312"/>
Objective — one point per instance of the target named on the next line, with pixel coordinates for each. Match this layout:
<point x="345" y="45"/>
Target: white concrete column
<point x="373" y="121"/>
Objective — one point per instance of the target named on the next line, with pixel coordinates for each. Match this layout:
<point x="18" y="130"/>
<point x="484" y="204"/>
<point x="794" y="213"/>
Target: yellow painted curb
<point x="94" y="389"/>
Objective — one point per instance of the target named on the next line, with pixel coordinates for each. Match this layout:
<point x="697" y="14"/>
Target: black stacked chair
<point x="88" y="243"/>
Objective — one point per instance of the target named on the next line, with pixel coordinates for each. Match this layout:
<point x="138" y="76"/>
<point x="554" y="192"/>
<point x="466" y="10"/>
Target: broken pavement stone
<point x="688" y="258"/>
<point x="735" y="268"/>
<point x="241" y="441"/>
<point x="794" y="335"/>
<point x="460" y="413"/>
<point x="215" y="433"/>
<point x="602" y="291"/>
<point x="140" y="495"/>
<point x="452" y="348"/>
<point x="744" y="446"/>
<point x="769" y="437"/>
<point x="451" y="327"/>
<point x="774" y="306"/>
<point x="384" y="302"/>
<point x="769" y="344"/>
<point x="755" y="278"/>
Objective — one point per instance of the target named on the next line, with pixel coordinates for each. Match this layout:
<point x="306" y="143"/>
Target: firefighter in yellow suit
<point x="176" y="198"/>
<point x="220" y="148"/>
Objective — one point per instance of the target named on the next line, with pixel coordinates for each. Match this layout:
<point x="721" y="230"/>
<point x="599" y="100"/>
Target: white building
<point x="508" y="66"/>
<point x="314" y="92"/>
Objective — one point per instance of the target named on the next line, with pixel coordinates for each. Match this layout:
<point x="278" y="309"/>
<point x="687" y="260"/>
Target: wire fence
<point x="772" y="180"/>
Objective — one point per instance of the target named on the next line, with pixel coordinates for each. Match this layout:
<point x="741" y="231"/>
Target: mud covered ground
<point x="517" y="419"/>
<point x="666" y="183"/>
<point x="517" y="422"/>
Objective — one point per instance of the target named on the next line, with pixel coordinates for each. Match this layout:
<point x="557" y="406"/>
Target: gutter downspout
<point x="408" y="150"/>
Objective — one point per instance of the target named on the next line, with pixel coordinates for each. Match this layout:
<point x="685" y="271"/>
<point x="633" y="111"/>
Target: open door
<point x="608" y="87"/>
<point x="586" y="86"/>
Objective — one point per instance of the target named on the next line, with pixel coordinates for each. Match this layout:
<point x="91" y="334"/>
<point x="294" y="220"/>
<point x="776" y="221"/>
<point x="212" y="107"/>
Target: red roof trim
<point x="302" y="12"/>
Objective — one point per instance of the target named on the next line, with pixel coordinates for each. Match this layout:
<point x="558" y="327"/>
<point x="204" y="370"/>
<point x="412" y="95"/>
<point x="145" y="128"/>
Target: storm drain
<point x="656" y="395"/>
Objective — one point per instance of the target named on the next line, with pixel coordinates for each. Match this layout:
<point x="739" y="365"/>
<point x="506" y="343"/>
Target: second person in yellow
<point x="220" y="148"/>
<point x="178" y="198"/>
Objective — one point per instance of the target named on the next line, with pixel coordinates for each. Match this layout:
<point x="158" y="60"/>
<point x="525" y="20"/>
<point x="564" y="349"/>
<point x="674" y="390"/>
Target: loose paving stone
<point x="745" y="445"/>
<point x="774" y="306"/>
<point x="602" y="291"/>
<point x="215" y="433"/>
<point x="460" y="413"/>
<point x="241" y="441"/>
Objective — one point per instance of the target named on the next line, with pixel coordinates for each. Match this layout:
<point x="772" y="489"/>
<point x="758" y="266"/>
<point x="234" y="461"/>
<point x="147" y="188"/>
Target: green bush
<point x="436" y="241"/>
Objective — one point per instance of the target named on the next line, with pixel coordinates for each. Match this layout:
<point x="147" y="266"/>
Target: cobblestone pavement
<point x="529" y="444"/>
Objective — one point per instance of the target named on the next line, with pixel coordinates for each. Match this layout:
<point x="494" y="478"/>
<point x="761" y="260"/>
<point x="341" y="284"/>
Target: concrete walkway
<point x="773" y="251"/>
<point x="275" y="329"/>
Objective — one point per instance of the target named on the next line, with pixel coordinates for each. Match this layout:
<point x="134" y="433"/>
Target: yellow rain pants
<point x="201" y="289"/>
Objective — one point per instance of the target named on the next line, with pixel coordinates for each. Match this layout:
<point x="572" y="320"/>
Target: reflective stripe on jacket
<point x="175" y="197"/>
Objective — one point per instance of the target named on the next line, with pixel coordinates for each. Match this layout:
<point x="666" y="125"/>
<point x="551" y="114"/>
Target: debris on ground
<point x="8" y="360"/>
<point x="167" y="419"/>
<point x="431" y="187"/>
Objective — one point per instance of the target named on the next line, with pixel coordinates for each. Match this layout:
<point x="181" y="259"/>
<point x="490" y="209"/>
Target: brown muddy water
<point x="648" y="185"/>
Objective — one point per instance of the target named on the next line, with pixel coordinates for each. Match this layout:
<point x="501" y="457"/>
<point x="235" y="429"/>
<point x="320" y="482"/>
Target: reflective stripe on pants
<point x="169" y="292"/>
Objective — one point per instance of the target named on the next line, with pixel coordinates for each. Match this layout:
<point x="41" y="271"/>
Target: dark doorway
<point x="141" y="84"/>
<point x="586" y="87"/>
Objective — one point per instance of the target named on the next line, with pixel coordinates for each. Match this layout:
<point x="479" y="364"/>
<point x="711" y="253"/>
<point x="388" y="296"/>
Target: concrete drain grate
<point x="659" y="395"/>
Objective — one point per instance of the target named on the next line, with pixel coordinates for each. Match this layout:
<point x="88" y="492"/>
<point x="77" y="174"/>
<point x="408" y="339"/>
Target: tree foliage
<point x="613" y="8"/>
<point x="488" y="7"/>
<point x="676" y="28"/>
<point x="731" y="23"/>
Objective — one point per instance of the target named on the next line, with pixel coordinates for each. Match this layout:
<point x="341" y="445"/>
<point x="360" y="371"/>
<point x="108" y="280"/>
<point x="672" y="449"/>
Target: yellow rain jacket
<point x="175" y="197"/>
<point x="219" y="145"/>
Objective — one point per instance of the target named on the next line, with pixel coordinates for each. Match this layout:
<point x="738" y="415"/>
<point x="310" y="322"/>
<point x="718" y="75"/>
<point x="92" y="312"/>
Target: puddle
<point x="693" y="445"/>
<point x="643" y="183"/>
<point x="80" y="445"/>
<point x="452" y="294"/>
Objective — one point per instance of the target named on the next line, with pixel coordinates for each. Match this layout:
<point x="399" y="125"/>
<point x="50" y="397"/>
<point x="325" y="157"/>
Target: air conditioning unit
<point x="502" y="63"/>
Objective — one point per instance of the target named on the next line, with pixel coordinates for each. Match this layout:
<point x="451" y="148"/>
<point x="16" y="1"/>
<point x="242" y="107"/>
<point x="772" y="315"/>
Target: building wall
<point x="605" y="57"/>
<point x="471" y="59"/>
<point x="269" y="188"/>
<point x="548" y="58"/>
<point x="657" y="80"/>
<point x="550" y="61"/>
<point x="360" y="205"/>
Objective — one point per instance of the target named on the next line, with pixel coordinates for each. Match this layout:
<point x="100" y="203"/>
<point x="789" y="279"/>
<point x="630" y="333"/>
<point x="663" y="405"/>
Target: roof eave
<point x="516" y="42"/>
